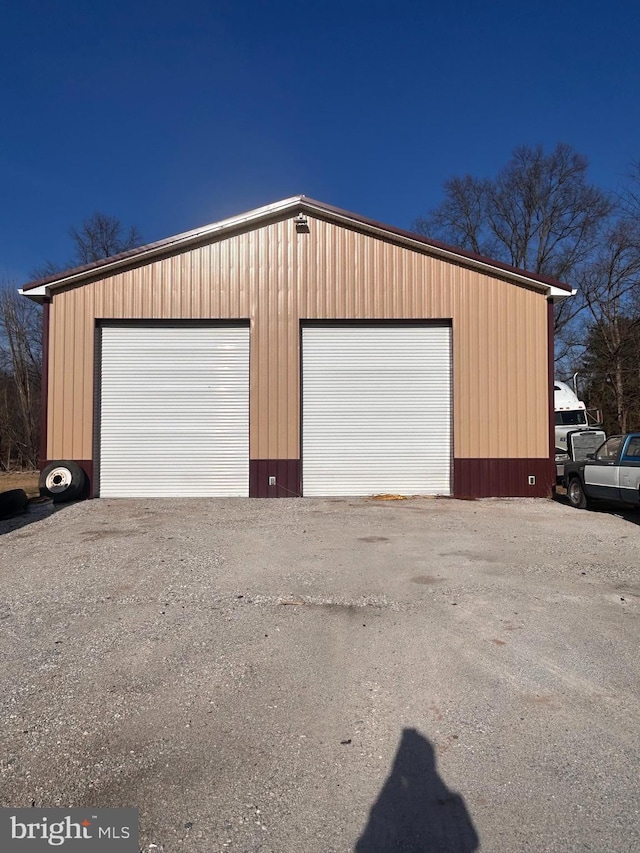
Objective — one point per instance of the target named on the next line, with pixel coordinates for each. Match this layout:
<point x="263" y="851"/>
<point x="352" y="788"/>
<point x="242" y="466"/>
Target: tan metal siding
<point x="275" y="277"/>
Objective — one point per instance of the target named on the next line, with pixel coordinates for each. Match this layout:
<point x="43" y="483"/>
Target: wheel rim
<point x="574" y="493"/>
<point x="58" y="480"/>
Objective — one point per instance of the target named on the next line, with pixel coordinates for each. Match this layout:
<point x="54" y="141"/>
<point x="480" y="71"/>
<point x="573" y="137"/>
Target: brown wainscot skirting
<point x="87" y="467"/>
<point x="286" y="472"/>
<point x="503" y="478"/>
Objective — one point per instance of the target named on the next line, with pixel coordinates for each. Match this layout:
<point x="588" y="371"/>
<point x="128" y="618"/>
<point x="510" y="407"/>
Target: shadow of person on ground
<point x="416" y="812"/>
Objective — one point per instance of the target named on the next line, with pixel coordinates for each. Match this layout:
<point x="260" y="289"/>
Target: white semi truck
<point x="578" y="429"/>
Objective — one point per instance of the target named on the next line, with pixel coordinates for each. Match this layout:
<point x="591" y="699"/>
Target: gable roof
<point x="45" y="287"/>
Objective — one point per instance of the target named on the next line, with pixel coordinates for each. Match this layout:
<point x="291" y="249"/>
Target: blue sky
<point x="172" y="115"/>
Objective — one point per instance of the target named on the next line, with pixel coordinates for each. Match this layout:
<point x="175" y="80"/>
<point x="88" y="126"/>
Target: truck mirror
<point x="591" y="455"/>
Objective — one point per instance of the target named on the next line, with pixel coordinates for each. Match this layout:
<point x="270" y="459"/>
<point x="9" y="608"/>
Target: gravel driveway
<point x="308" y="676"/>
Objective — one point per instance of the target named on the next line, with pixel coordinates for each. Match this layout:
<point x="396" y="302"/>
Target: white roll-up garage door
<point x="174" y="411"/>
<point x="376" y="410"/>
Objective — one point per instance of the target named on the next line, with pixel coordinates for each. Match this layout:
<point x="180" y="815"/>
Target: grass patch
<point x="27" y="480"/>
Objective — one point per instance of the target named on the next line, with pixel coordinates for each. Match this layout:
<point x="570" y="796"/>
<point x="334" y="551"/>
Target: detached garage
<point x="299" y="349"/>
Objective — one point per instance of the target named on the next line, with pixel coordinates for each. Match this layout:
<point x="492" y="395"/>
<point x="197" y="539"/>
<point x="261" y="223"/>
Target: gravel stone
<point x="291" y="675"/>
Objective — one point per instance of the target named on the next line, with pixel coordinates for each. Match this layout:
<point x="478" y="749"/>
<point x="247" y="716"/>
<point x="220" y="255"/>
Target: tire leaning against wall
<point x="63" y="481"/>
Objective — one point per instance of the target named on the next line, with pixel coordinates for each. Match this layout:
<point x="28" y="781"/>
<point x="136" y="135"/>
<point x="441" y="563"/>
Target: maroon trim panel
<point x="550" y="367"/>
<point x="503" y="478"/>
<point x="44" y="382"/>
<point x="286" y="472"/>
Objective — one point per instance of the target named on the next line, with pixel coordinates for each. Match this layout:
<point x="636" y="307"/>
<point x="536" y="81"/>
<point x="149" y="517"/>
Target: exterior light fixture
<point x="302" y="226"/>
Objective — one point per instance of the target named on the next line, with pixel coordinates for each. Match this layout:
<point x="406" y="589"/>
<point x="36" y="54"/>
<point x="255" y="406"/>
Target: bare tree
<point x="48" y="269"/>
<point x="20" y="369"/>
<point x="611" y="288"/>
<point x="612" y="385"/>
<point x="101" y="236"/>
<point x="539" y="213"/>
<point x="462" y="217"/>
<point x="629" y="197"/>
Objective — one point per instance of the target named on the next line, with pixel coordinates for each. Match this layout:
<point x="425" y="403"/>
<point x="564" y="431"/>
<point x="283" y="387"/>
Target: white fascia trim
<point x="36" y="293"/>
<point x="557" y="295"/>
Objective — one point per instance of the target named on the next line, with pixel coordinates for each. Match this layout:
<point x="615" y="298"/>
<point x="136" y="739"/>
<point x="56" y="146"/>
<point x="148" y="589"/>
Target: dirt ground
<point x="27" y="480"/>
<point x="327" y="675"/>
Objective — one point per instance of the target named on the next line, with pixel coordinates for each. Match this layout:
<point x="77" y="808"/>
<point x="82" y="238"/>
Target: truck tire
<point x="12" y="502"/>
<point x="62" y="481"/>
<point x="576" y="495"/>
